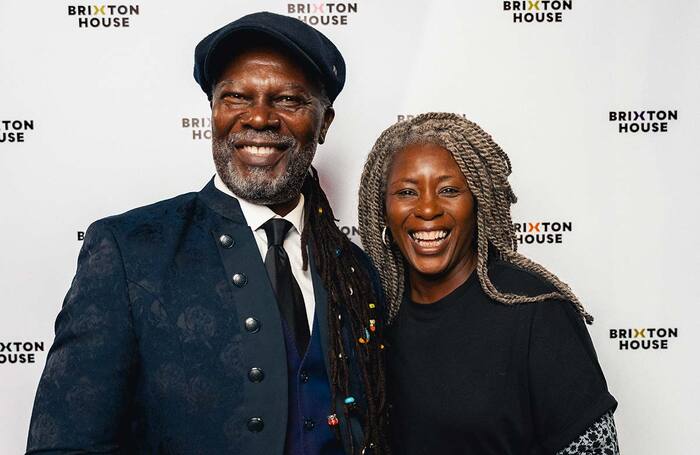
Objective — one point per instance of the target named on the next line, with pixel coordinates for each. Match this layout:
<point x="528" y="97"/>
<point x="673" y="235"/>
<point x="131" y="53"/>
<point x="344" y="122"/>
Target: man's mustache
<point x="280" y="140"/>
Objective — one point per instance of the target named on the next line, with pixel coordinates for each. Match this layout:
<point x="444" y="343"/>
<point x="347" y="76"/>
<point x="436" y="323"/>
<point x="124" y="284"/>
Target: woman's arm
<point x="599" y="439"/>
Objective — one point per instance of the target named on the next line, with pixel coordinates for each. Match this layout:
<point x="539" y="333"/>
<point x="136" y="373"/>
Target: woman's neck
<point x="431" y="288"/>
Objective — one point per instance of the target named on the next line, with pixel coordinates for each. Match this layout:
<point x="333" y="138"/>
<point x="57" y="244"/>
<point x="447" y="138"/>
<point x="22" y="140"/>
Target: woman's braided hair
<point x="351" y="302"/>
<point x="486" y="168"/>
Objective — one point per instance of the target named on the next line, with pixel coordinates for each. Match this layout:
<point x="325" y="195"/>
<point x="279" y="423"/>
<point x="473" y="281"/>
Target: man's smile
<point x="260" y="155"/>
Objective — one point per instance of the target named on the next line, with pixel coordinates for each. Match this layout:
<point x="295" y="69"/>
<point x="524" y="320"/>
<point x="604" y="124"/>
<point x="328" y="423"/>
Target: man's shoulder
<point x="157" y="216"/>
<point x="362" y="257"/>
<point x="365" y="261"/>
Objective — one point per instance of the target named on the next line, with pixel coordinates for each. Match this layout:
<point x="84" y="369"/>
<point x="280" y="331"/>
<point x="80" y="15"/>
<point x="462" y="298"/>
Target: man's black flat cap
<point x="313" y="48"/>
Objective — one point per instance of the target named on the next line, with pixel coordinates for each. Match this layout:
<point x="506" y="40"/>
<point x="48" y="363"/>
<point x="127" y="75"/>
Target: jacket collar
<point x="221" y="203"/>
<point x="229" y="206"/>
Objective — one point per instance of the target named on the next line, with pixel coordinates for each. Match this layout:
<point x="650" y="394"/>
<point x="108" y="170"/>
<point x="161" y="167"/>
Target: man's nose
<point x="428" y="207"/>
<point x="261" y="117"/>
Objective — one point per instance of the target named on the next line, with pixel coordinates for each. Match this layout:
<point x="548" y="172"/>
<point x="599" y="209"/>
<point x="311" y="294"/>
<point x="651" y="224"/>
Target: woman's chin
<point x="429" y="269"/>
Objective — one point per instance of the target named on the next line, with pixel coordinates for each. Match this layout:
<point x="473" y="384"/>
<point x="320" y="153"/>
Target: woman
<point x="487" y="351"/>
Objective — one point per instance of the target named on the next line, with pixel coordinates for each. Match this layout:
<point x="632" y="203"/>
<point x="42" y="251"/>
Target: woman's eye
<point x="405" y="192"/>
<point x="449" y="191"/>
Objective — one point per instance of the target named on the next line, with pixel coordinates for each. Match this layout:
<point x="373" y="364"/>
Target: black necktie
<point x="289" y="297"/>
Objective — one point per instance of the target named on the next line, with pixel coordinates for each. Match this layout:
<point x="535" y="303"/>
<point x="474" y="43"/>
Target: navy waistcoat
<point x="309" y="399"/>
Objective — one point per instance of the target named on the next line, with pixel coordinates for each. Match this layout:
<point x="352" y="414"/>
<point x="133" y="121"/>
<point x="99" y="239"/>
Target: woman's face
<point x="430" y="211"/>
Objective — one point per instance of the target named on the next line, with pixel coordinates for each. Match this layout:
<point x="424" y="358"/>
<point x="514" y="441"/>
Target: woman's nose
<point x="427" y="207"/>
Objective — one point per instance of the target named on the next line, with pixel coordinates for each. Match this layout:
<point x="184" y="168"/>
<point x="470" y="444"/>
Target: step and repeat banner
<point x="595" y="101"/>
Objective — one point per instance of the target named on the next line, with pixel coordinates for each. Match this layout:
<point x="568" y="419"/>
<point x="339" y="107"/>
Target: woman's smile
<point x="430" y="241"/>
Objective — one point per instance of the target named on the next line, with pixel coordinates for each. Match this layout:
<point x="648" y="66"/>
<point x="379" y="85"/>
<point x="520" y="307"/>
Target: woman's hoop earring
<point x="384" y="239"/>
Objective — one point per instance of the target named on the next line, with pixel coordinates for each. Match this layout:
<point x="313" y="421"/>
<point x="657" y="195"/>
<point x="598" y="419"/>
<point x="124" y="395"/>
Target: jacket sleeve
<point x="84" y="393"/>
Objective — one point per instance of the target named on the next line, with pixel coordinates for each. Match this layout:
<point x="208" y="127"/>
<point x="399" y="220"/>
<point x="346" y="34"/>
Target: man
<point x="238" y="319"/>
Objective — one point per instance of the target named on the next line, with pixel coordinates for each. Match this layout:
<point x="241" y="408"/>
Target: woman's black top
<point x="469" y="375"/>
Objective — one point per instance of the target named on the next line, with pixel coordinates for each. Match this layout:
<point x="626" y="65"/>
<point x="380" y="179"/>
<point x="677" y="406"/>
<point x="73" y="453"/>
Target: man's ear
<point x="328" y="116"/>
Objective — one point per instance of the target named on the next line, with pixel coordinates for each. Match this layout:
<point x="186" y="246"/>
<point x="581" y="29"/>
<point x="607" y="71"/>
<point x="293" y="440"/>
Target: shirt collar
<point x="256" y="215"/>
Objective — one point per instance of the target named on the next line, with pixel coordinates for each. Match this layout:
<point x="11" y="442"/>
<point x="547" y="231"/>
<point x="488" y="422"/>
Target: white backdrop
<point x="102" y="110"/>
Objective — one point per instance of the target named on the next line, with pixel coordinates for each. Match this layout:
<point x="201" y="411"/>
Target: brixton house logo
<point x="647" y="121"/>
<point x="350" y="231"/>
<point x="537" y="10"/>
<point x="199" y="126"/>
<point x="322" y="13"/>
<point x="103" y="16"/>
<point x="541" y="232"/>
<point x="19" y="351"/>
<point x="14" y="130"/>
<point x="647" y="338"/>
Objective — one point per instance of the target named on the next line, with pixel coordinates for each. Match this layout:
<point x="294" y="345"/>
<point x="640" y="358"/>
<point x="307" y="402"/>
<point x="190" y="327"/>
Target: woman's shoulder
<point x="551" y="314"/>
<point x="513" y="279"/>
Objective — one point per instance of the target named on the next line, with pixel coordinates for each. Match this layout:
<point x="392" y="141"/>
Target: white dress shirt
<point x="256" y="215"/>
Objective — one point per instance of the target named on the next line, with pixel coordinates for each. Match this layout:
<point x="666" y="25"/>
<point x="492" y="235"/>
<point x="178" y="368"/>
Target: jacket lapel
<point x="221" y="203"/>
<point x="262" y="342"/>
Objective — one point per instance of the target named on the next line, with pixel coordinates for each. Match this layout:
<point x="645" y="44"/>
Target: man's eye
<point x="232" y="96"/>
<point x="288" y="100"/>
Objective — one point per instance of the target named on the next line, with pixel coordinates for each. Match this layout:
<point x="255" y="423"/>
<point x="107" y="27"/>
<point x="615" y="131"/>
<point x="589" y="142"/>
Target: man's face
<point x="267" y="118"/>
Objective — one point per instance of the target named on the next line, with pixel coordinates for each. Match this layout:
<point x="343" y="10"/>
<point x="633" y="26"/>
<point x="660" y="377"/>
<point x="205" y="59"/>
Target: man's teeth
<point x="260" y="151"/>
<point x="429" y="236"/>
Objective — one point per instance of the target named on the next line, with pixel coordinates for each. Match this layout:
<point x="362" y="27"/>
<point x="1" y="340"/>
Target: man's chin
<point x="261" y="187"/>
<point x="258" y="174"/>
<point x="268" y="197"/>
<point x="264" y="185"/>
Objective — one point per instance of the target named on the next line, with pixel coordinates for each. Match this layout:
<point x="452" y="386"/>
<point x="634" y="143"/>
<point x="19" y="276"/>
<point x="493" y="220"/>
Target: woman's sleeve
<point x="568" y="392"/>
<point x="599" y="439"/>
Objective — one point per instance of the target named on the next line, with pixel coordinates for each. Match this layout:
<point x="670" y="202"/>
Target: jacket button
<point x="255" y="424"/>
<point x="256" y="374"/>
<point x="309" y="424"/>
<point x="304" y="376"/>
<point x="226" y="241"/>
<point x="252" y="325"/>
<point x="368" y="450"/>
<point x="240" y="280"/>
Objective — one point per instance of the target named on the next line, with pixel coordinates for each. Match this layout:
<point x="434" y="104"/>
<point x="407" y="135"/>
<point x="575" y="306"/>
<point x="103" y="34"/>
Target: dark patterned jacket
<point x="156" y="337"/>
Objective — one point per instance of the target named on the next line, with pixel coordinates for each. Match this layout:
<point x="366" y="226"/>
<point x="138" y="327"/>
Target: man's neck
<point x="284" y="208"/>
<point x="281" y="210"/>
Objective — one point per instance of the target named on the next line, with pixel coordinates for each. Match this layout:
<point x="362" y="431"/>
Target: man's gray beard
<point x="257" y="187"/>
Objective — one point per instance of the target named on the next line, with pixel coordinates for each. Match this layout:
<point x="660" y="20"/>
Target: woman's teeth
<point x="429" y="238"/>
